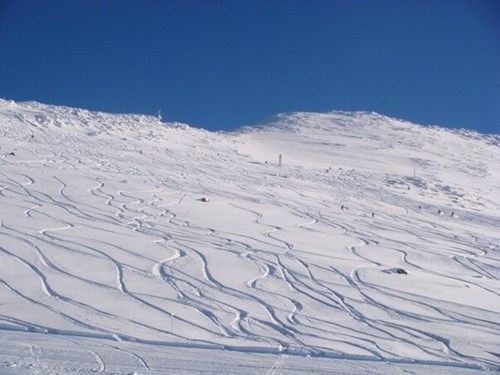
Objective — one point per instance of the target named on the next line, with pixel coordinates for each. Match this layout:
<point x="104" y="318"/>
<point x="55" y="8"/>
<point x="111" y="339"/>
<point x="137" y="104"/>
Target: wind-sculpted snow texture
<point x="376" y="243"/>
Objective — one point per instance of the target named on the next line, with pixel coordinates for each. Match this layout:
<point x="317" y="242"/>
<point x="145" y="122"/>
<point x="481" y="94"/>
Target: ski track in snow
<point x="109" y="239"/>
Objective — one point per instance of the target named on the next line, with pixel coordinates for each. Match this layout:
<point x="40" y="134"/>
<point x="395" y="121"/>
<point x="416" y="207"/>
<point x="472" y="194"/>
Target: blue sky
<point x="222" y="64"/>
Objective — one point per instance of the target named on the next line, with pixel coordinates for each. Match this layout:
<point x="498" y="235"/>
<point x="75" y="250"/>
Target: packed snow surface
<point x="128" y="245"/>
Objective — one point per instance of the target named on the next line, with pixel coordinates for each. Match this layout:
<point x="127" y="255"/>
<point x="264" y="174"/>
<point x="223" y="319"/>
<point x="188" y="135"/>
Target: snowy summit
<point x="314" y="243"/>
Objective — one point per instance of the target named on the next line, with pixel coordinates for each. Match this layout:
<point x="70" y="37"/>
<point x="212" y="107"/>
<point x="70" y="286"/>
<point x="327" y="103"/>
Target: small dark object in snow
<point x="12" y="153"/>
<point x="399" y="271"/>
<point x="203" y="199"/>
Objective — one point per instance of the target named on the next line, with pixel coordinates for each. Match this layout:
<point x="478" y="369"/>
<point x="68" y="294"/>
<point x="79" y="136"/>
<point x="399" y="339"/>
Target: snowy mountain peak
<point x="305" y="121"/>
<point x="347" y="236"/>
<point x="43" y="116"/>
<point x="358" y="121"/>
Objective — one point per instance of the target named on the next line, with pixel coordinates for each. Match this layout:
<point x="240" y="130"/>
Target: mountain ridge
<point x="277" y="121"/>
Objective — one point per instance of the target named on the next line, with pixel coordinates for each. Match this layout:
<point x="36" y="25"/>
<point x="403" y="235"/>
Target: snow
<point x="128" y="245"/>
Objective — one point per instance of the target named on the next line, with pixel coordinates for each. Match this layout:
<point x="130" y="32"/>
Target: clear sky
<point x="220" y="64"/>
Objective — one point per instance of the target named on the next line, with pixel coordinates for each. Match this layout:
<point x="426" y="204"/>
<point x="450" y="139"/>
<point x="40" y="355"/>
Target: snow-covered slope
<point x="376" y="240"/>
